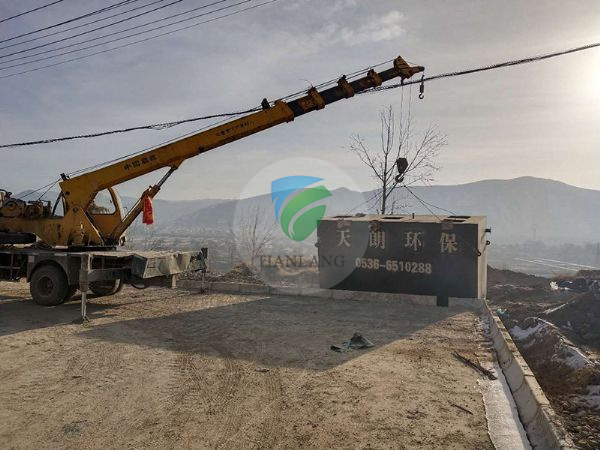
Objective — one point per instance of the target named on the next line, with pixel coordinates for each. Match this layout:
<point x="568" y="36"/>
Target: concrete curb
<point x="257" y="289"/>
<point x="541" y="424"/>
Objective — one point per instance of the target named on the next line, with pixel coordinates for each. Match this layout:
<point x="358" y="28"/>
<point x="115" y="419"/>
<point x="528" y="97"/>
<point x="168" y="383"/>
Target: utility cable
<point x="92" y="13"/>
<point x="169" y="124"/>
<point x="137" y="152"/>
<point x="98" y="11"/>
<point x="137" y="34"/>
<point x="161" y="126"/>
<point x="157" y="126"/>
<point x="511" y="63"/>
<point x="30" y="11"/>
<point x="135" y="16"/>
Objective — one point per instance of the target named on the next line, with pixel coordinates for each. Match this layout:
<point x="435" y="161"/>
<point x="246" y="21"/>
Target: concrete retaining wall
<point x="257" y="289"/>
<point x="543" y="428"/>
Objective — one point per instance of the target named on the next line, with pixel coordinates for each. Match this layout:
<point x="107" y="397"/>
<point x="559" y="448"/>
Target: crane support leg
<point x="84" y="284"/>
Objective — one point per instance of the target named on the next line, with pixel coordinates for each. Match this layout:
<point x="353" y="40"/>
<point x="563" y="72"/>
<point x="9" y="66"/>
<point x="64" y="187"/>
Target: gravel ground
<point x="171" y="368"/>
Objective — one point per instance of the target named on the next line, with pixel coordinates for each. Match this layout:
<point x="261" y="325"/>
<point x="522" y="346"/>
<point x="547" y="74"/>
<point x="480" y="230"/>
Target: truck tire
<point x="48" y="285"/>
<point x="70" y="293"/>
<point x="105" y="288"/>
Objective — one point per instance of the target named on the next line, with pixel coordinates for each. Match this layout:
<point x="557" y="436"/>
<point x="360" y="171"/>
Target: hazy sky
<point x="541" y="119"/>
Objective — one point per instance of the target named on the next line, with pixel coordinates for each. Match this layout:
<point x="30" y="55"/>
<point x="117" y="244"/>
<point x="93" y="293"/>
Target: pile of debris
<point x="558" y="333"/>
<point x="579" y="318"/>
<point x="240" y="273"/>
<point x="569" y="376"/>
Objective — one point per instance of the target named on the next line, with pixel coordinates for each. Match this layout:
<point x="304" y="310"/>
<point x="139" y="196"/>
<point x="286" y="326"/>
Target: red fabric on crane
<point x="148" y="215"/>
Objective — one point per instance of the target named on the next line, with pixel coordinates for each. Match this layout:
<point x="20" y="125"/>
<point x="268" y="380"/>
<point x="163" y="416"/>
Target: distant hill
<point x="523" y="209"/>
<point x="518" y="210"/>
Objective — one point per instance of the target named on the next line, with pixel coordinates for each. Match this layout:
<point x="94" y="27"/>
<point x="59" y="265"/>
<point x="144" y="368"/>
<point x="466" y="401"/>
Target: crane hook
<point x="402" y="165"/>
<point x="422" y="88"/>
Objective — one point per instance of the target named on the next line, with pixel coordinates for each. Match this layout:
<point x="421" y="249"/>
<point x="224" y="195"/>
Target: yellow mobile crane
<point x="86" y="235"/>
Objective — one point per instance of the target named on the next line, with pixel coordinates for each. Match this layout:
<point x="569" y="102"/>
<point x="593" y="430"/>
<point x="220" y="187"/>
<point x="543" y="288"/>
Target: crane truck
<point x="59" y="250"/>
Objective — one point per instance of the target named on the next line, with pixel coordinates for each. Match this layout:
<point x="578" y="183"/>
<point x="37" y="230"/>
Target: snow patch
<point x="592" y="399"/>
<point x="551" y="310"/>
<point x="521" y="334"/>
<point x="573" y="357"/>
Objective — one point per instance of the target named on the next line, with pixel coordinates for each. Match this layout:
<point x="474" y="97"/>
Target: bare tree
<point x="399" y="141"/>
<point x="253" y="233"/>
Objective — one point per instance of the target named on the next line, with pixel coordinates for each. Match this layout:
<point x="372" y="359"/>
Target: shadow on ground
<point x="19" y="314"/>
<point x="275" y="331"/>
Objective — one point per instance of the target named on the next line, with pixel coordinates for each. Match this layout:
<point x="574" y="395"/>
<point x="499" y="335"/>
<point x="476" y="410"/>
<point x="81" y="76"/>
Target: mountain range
<point x="518" y="210"/>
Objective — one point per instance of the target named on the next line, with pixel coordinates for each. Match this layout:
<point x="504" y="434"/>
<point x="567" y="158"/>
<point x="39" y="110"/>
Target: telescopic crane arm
<point x="81" y="227"/>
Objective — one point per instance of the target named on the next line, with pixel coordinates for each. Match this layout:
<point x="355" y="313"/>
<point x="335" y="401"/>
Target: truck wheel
<point x="70" y="293"/>
<point x="104" y="288"/>
<point x="48" y="285"/>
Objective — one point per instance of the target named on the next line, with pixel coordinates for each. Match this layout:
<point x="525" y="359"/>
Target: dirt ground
<point x="523" y="300"/>
<point x="171" y="368"/>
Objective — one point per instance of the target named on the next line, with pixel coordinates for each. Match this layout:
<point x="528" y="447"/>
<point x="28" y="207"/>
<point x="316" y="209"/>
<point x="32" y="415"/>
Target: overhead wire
<point x="163" y="125"/>
<point x="137" y="152"/>
<point x="169" y="124"/>
<point x="30" y="11"/>
<point x="510" y="63"/>
<point x="102" y="19"/>
<point x="112" y="24"/>
<point x="157" y="126"/>
<point x="64" y="22"/>
<point x="139" y="40"/>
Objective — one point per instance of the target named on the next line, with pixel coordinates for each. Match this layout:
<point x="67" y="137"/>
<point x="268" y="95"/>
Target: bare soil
<point x="171" y="368"/>
<point x="520" y="300"/>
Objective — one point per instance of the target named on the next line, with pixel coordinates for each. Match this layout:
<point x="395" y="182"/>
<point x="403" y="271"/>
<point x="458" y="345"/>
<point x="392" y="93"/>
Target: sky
<point x="540" y="119"/>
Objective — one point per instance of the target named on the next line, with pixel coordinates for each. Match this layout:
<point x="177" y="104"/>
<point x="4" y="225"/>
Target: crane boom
<point x="81" y="226"/>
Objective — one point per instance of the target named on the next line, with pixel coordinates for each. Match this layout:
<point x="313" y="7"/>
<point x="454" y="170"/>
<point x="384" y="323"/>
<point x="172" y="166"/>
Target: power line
<point x="137" y="152"/>
<point x="121" y="31"/>
<point x="30" y="11"/>
<point x="171" y="124"/>
<point x="96" y="29"/>
<point x="158" y="126"/>
<point x="74" y="19"/>
<point x="511" y="63"/>
<point x="139" y="40"/>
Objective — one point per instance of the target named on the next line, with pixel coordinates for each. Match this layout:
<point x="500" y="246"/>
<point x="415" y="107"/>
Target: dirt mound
<point x="594" y="274"/>
<point x="239" y="274"/>
<point x="509" y="277"/>
<point x="568" y="376"/>
<point x="579" y="319"/>
<point x="546" y="342"/>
